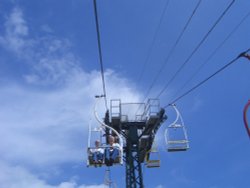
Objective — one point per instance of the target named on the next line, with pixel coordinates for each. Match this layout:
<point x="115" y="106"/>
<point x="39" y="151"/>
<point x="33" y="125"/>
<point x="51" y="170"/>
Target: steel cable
<point x="163" y="65"/>
<point x="243" y="54"/>
<point x="196" y="48"/>
<point x="100" y="53"/>
<point x="214" y="52"/>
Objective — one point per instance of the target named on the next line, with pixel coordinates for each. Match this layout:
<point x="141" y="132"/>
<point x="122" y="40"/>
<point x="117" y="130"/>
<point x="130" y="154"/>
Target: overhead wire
<point x="171" y="51"/>
<point x="163" y="65"/>
<point x="153" y="42"/>
<point x="196" y="48"/>
<point x="100" y="53"/>
<point x="214" y="52"/>
<point x="243" y="54"/>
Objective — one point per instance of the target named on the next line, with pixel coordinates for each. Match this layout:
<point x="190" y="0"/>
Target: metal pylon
<point x="134" y="177"/>
<point x="133" y="169"/>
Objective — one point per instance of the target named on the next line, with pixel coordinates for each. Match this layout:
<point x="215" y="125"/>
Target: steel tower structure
<point x="137" y="123"/>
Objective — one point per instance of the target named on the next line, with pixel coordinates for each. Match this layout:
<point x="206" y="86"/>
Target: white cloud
<point x="46" y="28"/>
<point x="16" y="25"/>
<point x="16" y="32"/>
<point x="49" y="126"/>
<point x="13" y="177"/>
<point x="93" y="186"/>
<point x="53" y="70"/>
<point x="38" y="127"/>
<point x="42" y="126"/>
<point x="160" y="186"/>
<point x="19" y="177"/>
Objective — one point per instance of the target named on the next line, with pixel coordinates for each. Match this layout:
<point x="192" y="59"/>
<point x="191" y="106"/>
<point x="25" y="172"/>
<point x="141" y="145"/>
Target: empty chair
<point x="153" y="157"/>
<point x="176" y="135"/>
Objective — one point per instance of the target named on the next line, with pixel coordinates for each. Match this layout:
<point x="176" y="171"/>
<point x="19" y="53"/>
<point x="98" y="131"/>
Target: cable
<point x="214" y="52"/>
<point x="171" y="51"/>
<point x="243" y="54"/>
<point x="196" y="48"/>
<point x="163" y="65"/>
<point x="245" y="117"/>
<point x="153" y="42"/>
<point x="100" y="53"/>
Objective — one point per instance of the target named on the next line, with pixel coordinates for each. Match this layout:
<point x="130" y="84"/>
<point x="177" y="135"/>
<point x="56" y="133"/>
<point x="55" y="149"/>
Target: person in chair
<point x="98" y="153"/>
<point x="112" y="151"/>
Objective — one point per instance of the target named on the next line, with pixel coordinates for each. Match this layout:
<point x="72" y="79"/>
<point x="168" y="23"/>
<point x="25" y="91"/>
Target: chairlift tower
<point x="138" y="124"/>
<point x="134" y="126"/>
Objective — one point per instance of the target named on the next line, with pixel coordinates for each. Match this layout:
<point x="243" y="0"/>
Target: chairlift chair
<point x="176" y="135"/>
<point x="94" y="134"/>
<point x="118" y="160"/>
<point x="153" y="160"/>
<point x="91" y="163"/>
<point x="101" y="132"/>
<point x="153" y="157"/>
<point x="177" y="144"/>
<point x="103" y="146"/>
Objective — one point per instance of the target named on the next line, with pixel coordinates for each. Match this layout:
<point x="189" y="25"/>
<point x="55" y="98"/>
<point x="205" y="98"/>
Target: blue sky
<point x="49" y="75"/>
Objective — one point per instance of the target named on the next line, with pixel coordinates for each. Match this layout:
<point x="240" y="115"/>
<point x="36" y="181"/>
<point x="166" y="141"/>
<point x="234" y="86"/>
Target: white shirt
<point x="100" y="150"/>
<point x="115" y="145"/>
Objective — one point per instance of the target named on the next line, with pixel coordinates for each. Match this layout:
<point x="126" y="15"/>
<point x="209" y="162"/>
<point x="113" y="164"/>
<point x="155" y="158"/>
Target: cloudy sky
<point x="49" y="75"/>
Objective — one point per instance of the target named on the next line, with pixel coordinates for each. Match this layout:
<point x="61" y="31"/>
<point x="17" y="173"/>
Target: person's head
<point x="97" y="143"/>
<point x="111" y="140"/>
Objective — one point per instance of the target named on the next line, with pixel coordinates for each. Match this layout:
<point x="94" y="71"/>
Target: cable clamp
<point x="245" y="54"/>
<point x="99" y="96"/>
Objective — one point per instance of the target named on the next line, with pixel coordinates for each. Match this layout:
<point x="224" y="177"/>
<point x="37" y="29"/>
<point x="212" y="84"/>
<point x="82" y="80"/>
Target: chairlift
<point x="96" y="153"/>
<point x="103" y="146"/>
<point x="176" y="135"/>
<point x="153" y="157"/>
<point x="95" y="134"/>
